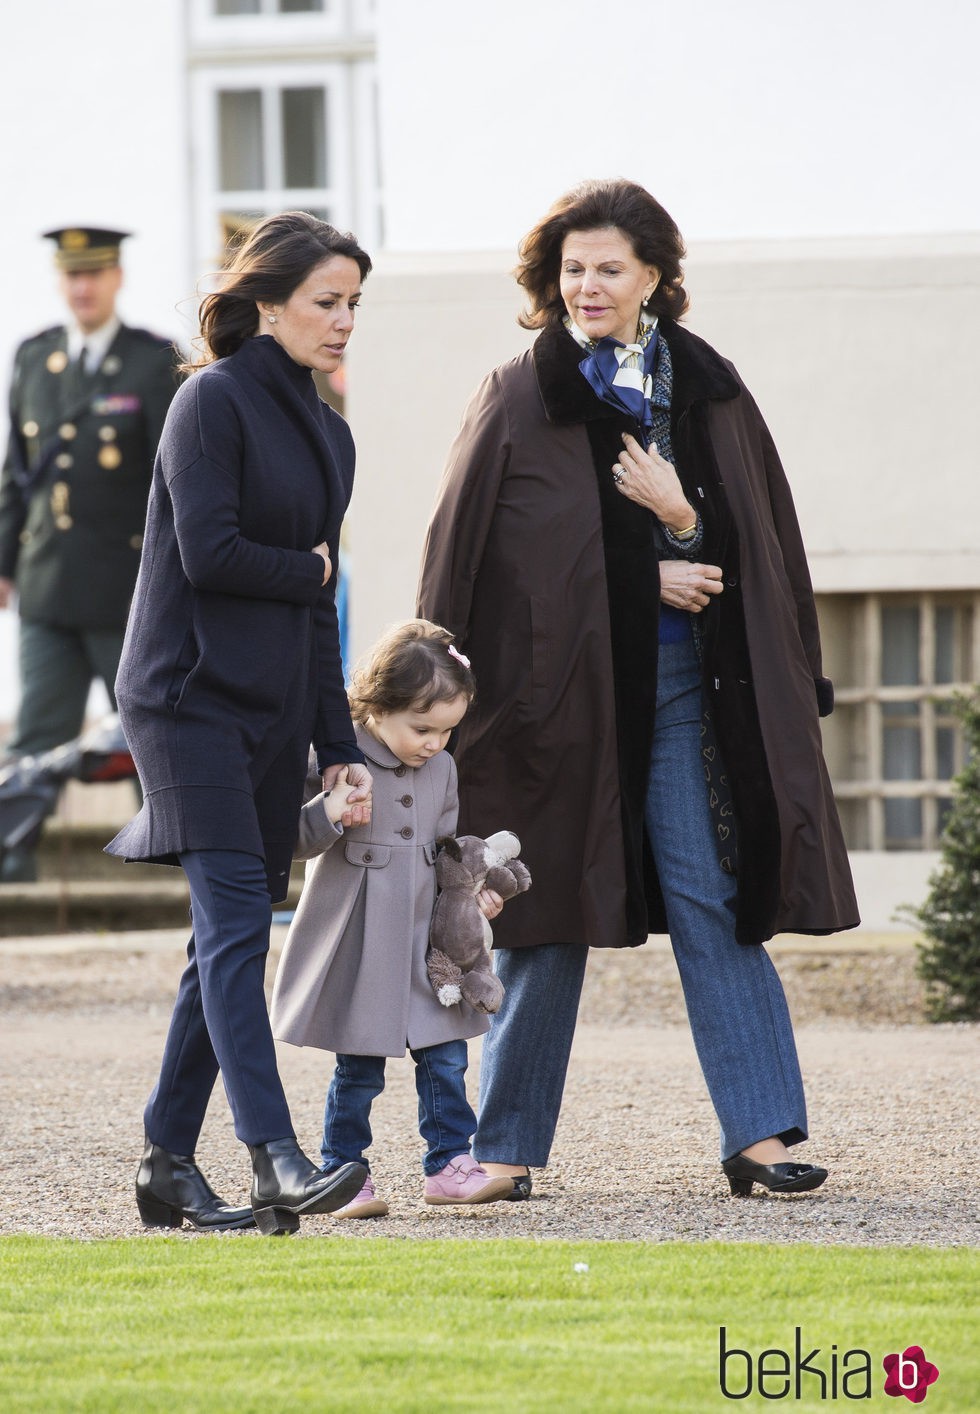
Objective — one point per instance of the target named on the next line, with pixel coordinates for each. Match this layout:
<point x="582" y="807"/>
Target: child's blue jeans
<point x="446" y="1119"/>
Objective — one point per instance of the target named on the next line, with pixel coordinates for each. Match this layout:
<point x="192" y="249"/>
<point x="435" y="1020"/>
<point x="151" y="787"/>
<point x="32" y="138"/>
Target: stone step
<point x="93" y="905"/>
<point x="70" y="851"/>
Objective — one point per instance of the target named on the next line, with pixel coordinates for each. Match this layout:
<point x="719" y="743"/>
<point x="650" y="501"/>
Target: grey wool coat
<point x="352" y="977"/>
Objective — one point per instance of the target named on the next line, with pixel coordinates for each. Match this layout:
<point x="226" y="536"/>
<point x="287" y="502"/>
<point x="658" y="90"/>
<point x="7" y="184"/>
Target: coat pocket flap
<point x="371" y="856"/>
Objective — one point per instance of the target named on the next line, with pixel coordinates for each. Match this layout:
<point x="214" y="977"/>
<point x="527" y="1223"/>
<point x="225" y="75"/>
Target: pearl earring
<point x="271" y="318"/>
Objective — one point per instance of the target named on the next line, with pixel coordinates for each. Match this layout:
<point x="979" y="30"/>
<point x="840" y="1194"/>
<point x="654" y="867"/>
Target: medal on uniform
<point x="57" y="362"/>
<point x="60" y="493"/>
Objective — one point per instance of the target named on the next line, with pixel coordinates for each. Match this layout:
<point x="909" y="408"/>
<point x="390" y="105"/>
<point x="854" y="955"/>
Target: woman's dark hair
<point x="272" y="261"/>
<point x="410" y="668"/>
<point x="591" y="206"/>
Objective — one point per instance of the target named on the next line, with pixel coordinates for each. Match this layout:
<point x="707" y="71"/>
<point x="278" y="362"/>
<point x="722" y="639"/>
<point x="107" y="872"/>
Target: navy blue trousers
<point x="220" y="1019"/>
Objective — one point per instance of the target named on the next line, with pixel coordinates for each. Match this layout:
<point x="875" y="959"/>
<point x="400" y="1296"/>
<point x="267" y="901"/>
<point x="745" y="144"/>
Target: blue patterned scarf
<point x="636" y="378"/>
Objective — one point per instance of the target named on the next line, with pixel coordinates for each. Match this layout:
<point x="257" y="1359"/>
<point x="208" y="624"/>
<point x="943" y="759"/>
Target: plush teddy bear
<point x="458" y="960"/>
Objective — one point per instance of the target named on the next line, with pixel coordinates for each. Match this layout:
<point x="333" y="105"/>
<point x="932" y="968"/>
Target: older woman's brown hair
<point x="591" y="206"/>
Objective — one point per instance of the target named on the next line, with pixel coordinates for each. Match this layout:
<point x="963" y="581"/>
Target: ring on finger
<point x="618" y="473"/>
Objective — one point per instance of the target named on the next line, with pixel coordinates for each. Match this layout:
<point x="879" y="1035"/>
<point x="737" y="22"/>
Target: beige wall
<point x="863" y="355"/>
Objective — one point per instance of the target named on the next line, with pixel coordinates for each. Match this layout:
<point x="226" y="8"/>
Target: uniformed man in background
<point x="87" y="405"/>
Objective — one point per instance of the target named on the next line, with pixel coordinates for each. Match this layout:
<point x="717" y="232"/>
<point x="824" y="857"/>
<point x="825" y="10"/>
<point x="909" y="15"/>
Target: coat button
<point x="406" y="800"/>
<point x="400" y="770"/>
<point x="367" y="856"/>
<point x="406" y="832"/>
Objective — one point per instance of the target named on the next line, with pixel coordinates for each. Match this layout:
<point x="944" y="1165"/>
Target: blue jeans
<point x="220" y="1018"/>
<point x="446" y="1118"/>
<point x="735" y="1003"/>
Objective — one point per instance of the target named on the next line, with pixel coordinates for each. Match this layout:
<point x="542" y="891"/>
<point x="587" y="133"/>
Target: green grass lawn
<point x="342" y="1324"/>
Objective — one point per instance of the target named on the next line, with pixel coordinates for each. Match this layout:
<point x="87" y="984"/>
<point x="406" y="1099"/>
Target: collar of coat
<point x="699" y="374"/>
<point x="376" y="752"/>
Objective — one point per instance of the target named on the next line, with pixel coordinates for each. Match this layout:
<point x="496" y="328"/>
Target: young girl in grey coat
<point x="352" y="975"/>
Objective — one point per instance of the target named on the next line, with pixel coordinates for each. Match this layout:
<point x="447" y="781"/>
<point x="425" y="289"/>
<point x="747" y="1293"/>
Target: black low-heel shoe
<point x="286" y="1183"/>
<point x="522" y="1188"/>
<point x="778" y="1178"/>
<point x="171" y="1187"/>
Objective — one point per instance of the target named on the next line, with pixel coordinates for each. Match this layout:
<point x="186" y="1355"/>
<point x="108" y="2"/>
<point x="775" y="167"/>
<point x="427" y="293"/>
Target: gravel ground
<point x="893" y="1106"/>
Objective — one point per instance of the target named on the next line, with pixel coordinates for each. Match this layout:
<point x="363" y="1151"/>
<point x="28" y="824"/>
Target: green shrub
<point x="949" y="958"/>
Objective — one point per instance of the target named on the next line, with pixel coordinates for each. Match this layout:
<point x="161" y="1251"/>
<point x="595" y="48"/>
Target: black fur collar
<point x="699" y="373"/>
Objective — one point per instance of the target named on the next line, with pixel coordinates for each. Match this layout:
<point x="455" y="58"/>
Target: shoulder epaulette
<point x="56" y="330"/>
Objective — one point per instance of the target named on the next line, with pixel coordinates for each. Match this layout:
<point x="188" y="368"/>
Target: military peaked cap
<point x="86" y="247"/>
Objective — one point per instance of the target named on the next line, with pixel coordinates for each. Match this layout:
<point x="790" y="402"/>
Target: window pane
<point x="944" y="807"/>
<point x="903" y="824"/>
<point x="240" y="126"/>
<point x="291" y="7"/>
<point x="899" y="645"/>
<point x="304" y="137"/>
<point x="945" y="753"/>
<point x="238" y="7"/>
<point x="901" y="741"/>
<point x="945" y="644"/>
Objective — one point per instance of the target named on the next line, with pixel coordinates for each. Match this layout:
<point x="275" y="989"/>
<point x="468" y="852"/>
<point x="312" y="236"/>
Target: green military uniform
<point x="73" y="497"/>
<point x="77" y="475"/>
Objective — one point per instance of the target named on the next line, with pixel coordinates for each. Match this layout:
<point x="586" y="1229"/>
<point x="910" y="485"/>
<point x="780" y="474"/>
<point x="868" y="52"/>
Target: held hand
<point x="689" y="587"/>
<point x="6" y="592"/>
<point x="490" y="903"/>
<point x="323" y="551"/>
<point x="644" y="477"/>
<point x="336" y="802"/>
<point x="358" y="803"/>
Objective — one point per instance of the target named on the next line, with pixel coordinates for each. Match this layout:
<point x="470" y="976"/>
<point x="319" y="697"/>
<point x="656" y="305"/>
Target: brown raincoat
<point x="518" y="563"/>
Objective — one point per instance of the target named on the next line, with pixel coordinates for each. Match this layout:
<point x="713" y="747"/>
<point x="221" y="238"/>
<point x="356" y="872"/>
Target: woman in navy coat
<point x="230" y="670"/>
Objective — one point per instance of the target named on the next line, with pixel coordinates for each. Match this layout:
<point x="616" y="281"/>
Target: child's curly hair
<point x="410" y="666"/>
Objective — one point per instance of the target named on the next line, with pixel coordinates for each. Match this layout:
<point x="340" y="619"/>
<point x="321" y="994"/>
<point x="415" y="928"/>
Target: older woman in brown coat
<point x="615" y="545"/>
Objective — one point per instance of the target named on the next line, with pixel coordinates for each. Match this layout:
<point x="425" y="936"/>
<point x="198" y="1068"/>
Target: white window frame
<point x="210" y="201"/>
<point x="869" y="697"/>
<point x="207" y="28"/>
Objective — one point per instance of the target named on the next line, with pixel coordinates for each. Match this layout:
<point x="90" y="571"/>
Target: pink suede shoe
<point x="464" y="1181"/>
<point x="364" y="1205"/>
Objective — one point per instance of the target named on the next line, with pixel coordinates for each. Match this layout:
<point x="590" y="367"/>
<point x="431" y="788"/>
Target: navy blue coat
<point x="231" y="665"/>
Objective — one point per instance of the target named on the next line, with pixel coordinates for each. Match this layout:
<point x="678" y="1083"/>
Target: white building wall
<point x="759" y="118"/>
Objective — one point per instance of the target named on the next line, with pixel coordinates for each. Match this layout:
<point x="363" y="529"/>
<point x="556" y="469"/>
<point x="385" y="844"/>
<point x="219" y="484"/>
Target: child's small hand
<point x="490" y="903"/>
<point x="335" y="801"/>
<point x="357" y="799"/>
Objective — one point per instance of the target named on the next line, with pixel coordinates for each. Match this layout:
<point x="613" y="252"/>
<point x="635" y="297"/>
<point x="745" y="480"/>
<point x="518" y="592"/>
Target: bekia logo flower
<point x="910" y="1374"/>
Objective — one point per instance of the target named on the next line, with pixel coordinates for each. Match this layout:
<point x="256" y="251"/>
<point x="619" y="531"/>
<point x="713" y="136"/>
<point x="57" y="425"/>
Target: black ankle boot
<point x="778" y="1178"/>
<point x="171" y="1187"/>
<point x="286" y="1183"/>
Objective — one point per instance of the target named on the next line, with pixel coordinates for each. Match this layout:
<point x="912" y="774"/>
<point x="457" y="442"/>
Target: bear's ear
<point x="450" y="844"/>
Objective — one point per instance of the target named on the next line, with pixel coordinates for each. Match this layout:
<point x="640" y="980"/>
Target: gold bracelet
<point x="687" y="534"/>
